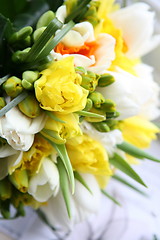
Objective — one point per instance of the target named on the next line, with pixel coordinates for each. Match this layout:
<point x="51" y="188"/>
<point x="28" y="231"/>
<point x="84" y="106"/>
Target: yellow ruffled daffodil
<point x="33" y="158"/>
<point x="59" y="88"/>
<point x="138" y="131"/>
<point x="59" y="132"/>
<point x="88" y="156"/>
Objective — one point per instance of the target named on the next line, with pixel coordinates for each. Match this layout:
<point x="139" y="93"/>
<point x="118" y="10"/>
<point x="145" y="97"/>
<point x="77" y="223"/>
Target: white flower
<point x="19" y="130"/>
<point x="137" y="24"/>
<point x="129" y="93"/>
<point x="82" y="203"/>
<point x="83" y="33"/>
<point x="10" y="163"/>
<point x="45" y="183"/>
<point x="109" y="140"/>
<point x="150" y="109"/>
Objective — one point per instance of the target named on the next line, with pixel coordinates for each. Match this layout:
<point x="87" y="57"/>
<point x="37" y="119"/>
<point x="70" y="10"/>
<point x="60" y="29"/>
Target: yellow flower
<point x="88" y="156"/>
<point x="32" y="159"/>
<point x="59" y="88"/>
<point x="58" y="132"/>
<point x="138" y="131"/>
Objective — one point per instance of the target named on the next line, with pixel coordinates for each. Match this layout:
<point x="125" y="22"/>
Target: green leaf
<point x="3" y="79"/>
<point x="122" y="180"/>
<point x="110" y="197"/>
<point x="52" y="44"/>
<point x="54" y="117"/>
<point x="64" y="185"/>
<point x="82" y="181"/>
<point x="136" y="152"/>
<point x="38" y="46"/>
<point x="30" y="14"/>
<point x="90" y="114"/>
<point x="13" y="103"/>
<point x="52" y="134"/>
<point x="122" y="165"/>
<point x="61" y="149"/>
<point x="5" y="31"/>
<point x="77" y="11"/>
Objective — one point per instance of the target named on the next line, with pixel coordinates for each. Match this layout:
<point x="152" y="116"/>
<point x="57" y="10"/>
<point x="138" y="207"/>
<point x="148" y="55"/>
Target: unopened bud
<point x="97" y="99"/>
<point x="30" y="107"/>
<point x="90" y="81"/>
<point x="108" y="106"/>
<point x="28" y="79"/>
<point x="5" y="208"/>
<point x="112" y="115"/>
<point x="101" y="126"/>
<point x="37" y="33"/>
<point x="89" y="105"/>
<point x="5" y="189"/>
<point x="13" y="86"/>
<point x="112" y="123"/>
<point x="21" y="34"/>
<point x="19" y="179"/>
<point x="105" y="80"/>
<point x="2" y="102"/>
<point x="19" y="56"/>
<point x="45" y="19"/>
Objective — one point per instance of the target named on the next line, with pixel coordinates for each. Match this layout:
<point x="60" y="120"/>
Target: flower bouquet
<point x="76" y="104"/>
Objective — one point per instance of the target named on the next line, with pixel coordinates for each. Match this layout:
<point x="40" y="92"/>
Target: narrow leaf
<point x="136" y="152"/>
<point x="44" y="219"/>
<point x="13" y="103"/>
<point x="110" y="197"/>
<point x="122" y="180"/>
<point x="64" y="185"/>
<point x="77" y="10"/>
<point x="52" y="134"/>
<point x="3" y="79"/>
<point x="90" y="114"/>
<point x="82" y="181"/>
<point x="38" y="46"/>
<point x="122" y="165"/>
<point x="54" y="117"/>
<point x="52" y="44"/>
<point x="61" y="149"/>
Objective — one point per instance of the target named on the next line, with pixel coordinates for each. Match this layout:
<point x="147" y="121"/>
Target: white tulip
<point x="10" y="163"/>
<point x="150" y="109"/>
<point x="137" y="25"/>
<point x="19" y="129"/>
<point x="82" y="203"/>
<point x="45" y="183"/>
<point x="129" y="93"/>
<point x="109" y="140"/>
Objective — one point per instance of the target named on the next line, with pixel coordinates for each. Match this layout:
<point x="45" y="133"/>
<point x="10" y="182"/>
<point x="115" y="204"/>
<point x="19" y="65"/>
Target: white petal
<point x="61" y="13"/>
<point x="6" y="151"/>
<point x="45" y="183"/>
<point x="137" y="24"/>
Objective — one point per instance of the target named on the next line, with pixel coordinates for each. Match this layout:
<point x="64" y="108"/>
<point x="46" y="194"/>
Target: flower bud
<point x="28" y="78"/>
<point x="5" y="208"/>
<point x="112" y="124"/>
<point x="90" y="81"/>
<point x="2" y="102"/>
<point x="5" y="189"/>
<point x="105" y="80"/>
<point x="91" y="15"/>
<point x="21" y="34"/>
<point x="18" y="56"/>
<point x="108" y="106"/>
<point x="13" y="86"/>
<point x="97" y="99"/>
<point x="112" y="115"/>
<point x="101" y="126"/>
<point x="45" y="19"/>
<point x="89" y="105"/>
<point x="19" y="179"/>
<point x="37" y="33"/>
<point x="30" y="107"/>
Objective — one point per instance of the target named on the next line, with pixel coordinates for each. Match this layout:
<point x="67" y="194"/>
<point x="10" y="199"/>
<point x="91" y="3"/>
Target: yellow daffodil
<point x="88" y="156"/>
<point x="138" y="131"/>
<point x="59" y="132"/>
<point x="32" y="159"/>
<point x="59" y="88"/>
